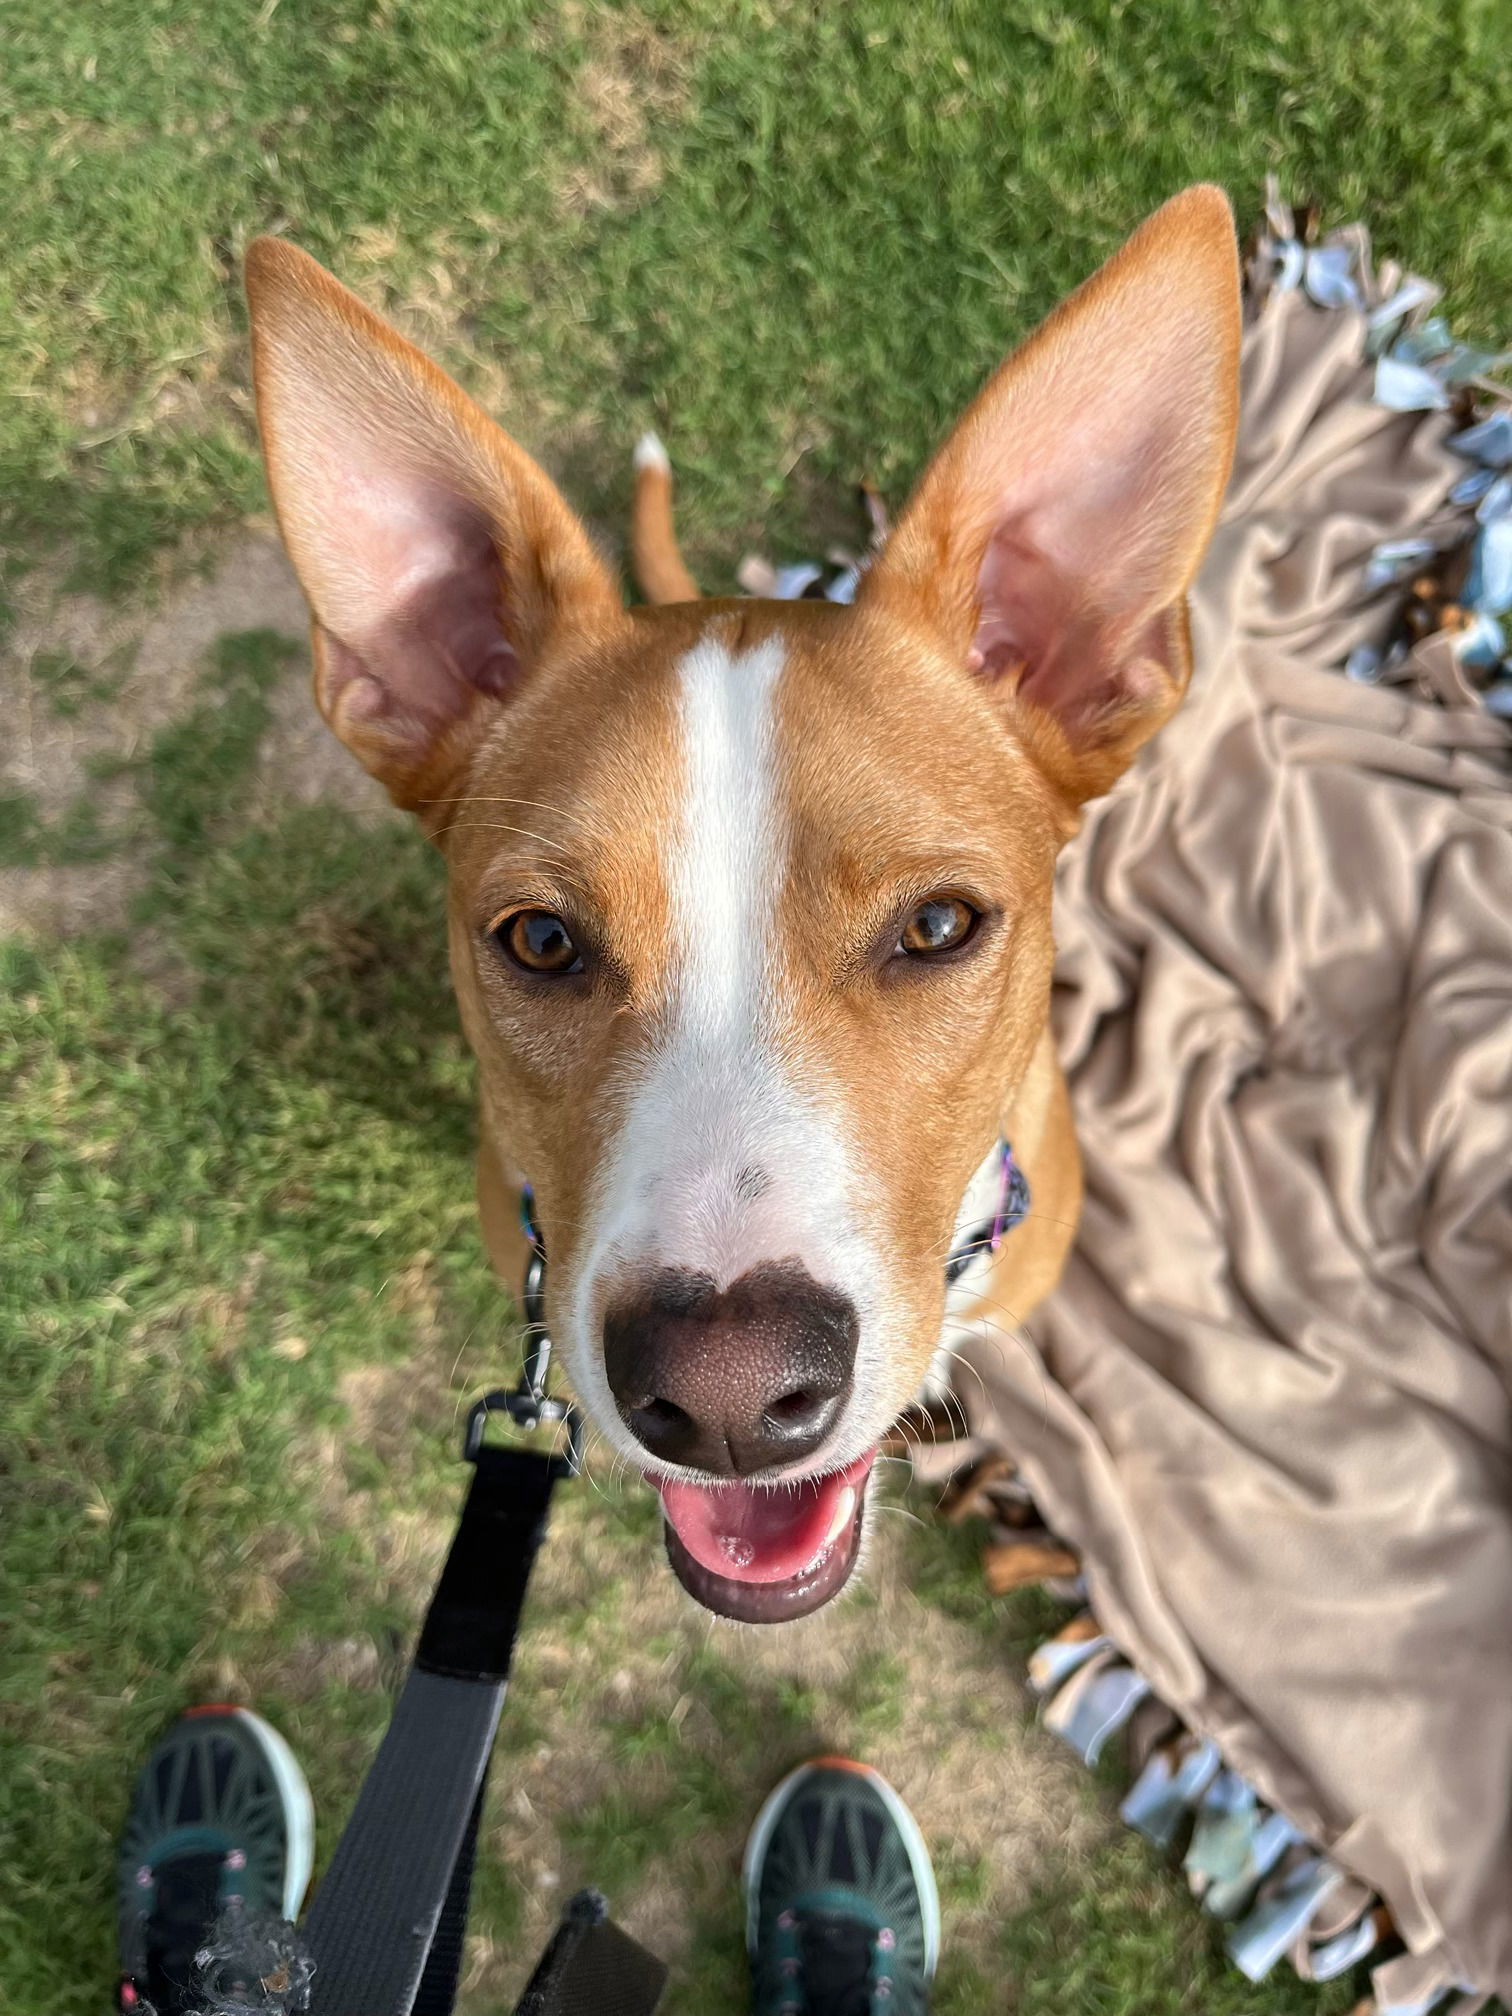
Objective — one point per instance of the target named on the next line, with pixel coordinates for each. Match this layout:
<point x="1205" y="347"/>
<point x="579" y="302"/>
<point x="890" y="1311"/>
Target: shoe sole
<point x="913" y="1842"/>
<point x="294" y="1794"/>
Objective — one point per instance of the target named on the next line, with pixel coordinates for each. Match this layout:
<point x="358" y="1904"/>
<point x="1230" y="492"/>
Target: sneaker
<point x="842" y="1914"/>
<point x="220" y="1818"/>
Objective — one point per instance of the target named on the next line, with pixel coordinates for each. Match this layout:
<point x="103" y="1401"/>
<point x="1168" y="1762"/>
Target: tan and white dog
<point x="749" y="900"/>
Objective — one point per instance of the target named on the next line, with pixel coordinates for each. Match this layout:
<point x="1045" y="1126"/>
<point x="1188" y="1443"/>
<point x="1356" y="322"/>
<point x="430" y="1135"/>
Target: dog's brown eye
<point x="539" y="941"/>
<point x="938" y="926"/>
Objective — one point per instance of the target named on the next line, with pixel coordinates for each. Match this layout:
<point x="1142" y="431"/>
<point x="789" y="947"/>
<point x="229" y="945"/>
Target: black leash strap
<point x="387" y="1925"/>
<point x="591" y="1968"/>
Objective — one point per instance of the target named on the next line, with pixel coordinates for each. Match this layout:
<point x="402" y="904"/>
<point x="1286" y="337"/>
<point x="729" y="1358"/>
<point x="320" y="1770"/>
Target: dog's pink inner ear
<point x="413" y="622"/>
<point x="1052" y="539"/>
<point x="1084" y="541"/>
<point x="438" y="560"/>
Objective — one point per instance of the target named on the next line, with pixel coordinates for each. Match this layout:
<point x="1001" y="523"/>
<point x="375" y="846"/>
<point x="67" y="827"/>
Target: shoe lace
<point x="836" y="1955"/>
<point x="186" y="1907"/>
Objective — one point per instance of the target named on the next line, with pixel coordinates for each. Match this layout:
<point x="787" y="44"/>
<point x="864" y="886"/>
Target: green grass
<point x="157" y="1220"/>
<point x="69" y="687"/>
<point x="28" y="839"/>
<point x="793" y="236"/>
<point x="243" y="1297"/>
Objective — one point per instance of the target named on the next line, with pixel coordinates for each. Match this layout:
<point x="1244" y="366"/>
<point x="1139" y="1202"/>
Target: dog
<point x="750" y="901"/>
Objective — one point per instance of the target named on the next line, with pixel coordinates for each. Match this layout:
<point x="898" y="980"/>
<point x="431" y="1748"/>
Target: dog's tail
<point x="653" y="541"/>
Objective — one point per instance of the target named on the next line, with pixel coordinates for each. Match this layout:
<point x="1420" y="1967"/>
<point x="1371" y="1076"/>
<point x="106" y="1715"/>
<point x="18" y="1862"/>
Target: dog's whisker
<point x="957" y="1410"/>
<point x="1029" y="1353"/>
<point x="910" y="1435"/>
<point x="498" y="826"/>
<point x="588" y="827"/>
<point x="950" y="1401"/>
<point x="596" y="1440"/>
<point x="498" y="798"/>
<point x="940" y="1250"/>
<point x="996" y="1302"/>
<point x="965" y="1363"/>
<point x="463" y="1398"/>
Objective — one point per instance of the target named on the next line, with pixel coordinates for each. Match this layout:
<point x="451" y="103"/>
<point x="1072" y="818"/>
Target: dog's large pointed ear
<point x="436" y="557"/>
<point x="1051" y="541"/>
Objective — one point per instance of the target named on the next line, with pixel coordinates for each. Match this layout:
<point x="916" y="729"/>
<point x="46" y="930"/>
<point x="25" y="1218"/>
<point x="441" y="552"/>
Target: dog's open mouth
<point x="764" y="1554"/>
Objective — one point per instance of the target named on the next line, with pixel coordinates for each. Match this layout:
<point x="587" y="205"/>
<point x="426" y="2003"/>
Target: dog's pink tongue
<point x="754" y="1534"/>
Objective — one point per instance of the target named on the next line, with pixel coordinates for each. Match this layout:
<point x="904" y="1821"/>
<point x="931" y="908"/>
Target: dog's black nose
<point x="732" y="1380"/>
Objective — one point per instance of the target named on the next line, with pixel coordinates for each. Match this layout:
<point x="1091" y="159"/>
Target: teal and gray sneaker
<point x="842" y="1914"/>
<point x="220" y="1822"/>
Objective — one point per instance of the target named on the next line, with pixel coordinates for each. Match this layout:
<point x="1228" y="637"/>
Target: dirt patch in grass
<point x="147" y="656"/>
<point x="633" y="83"/>
<point x="87" y="685"/>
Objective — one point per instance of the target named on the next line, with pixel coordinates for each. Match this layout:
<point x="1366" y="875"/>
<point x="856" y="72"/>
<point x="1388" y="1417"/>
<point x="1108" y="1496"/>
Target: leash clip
<point x="529" y="1411"/>
<point x="528" y="1404"/>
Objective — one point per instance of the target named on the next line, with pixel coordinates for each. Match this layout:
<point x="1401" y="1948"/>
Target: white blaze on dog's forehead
<point x="714" y="1118"/>
<point x="744" y="1163"/>
<point x="729" y="859"/>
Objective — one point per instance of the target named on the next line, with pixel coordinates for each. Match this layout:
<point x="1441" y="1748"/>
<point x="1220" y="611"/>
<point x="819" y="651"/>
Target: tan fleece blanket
<point x="1270" y="1402"/>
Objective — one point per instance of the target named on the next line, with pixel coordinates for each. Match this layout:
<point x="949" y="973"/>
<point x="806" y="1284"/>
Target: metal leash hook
<point x="528" y="1404"/>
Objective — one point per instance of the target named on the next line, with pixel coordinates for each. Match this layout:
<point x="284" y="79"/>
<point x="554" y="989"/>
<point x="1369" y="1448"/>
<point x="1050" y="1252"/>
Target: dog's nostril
<point x="795" y="1410"/>
<point x="663" y="1414"/>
